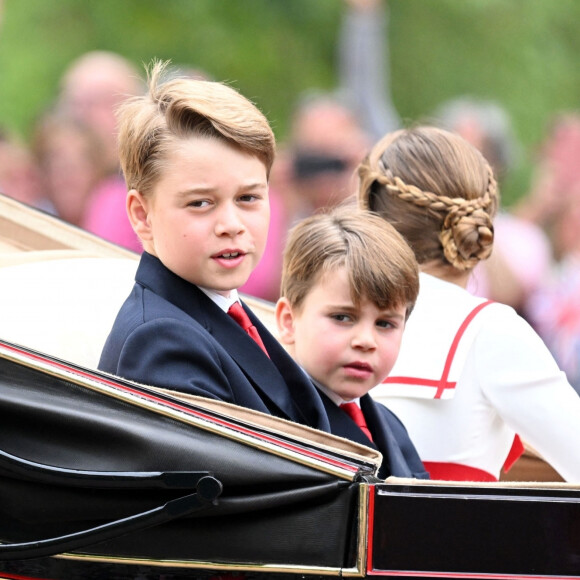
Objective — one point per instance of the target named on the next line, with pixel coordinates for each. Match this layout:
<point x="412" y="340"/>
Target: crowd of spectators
<point x="70" y="168"/>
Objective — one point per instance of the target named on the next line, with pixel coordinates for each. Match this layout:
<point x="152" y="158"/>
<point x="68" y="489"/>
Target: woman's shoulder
<point x="504" y="317"/>
<point x="504" y="333"/>
<point x="445" y="300"/>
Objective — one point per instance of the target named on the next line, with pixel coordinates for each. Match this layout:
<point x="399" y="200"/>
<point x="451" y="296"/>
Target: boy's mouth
<point x="358" y="370"/>
<point x="360" y="366"/>
<point x="229" y="255"/>
<point x="230" y="259"/>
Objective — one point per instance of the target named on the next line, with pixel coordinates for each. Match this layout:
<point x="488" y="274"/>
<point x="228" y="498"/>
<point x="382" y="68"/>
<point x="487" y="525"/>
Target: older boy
<point x="196" y="157"/>
<point x="348" y="285"/>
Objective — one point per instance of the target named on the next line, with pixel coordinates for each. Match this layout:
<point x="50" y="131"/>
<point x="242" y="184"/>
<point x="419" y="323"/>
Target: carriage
<point x="106" y="478"/>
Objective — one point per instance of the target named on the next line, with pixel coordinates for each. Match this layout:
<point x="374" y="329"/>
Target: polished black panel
<point x="480" y="530"/>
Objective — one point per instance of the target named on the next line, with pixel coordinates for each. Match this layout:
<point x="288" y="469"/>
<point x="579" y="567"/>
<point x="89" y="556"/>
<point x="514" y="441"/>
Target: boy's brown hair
<point x="380" y="264"/>
<point x="181" y="108"/>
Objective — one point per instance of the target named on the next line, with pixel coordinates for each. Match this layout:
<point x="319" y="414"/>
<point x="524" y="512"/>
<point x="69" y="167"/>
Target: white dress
<point x="470" y="376"/>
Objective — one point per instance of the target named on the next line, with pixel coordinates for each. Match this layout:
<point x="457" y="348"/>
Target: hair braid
<point x="466" y="225"/>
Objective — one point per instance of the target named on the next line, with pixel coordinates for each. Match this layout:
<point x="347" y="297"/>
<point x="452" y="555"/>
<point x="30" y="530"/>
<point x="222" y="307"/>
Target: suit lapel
<point x="342" y="425"/>
<point x="258" y="368"/>
<point x="394" y="463"/>
<point x="308" y="405"/>
<point x="384" y="439"/>
<point x="278" y="380"/>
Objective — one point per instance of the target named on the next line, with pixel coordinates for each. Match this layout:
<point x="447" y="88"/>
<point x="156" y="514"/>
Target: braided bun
<point x="437" y="190"/>
<point x="467" y="232"/>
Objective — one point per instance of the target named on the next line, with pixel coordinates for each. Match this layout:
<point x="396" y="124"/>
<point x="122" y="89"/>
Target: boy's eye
<point x="248" y="197"/>
<point x="341" y="317"/>
<point x="385" y="324"/>
<point x="198" y="203"/>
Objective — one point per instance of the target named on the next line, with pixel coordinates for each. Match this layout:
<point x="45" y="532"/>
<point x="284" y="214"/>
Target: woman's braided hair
<point x="437" y="190"/>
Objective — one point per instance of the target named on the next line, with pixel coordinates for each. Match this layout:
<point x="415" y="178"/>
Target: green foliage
<point x="521" y="53"/>
<point x="271" y="50"/>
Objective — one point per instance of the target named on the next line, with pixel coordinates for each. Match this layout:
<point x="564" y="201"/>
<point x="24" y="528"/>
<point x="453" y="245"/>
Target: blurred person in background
<point x="330" y="133"/>
<point x="556" y="178"/>
<point x="554" y="204"/>
<point x="327" y="142"/>
<point x="92" y="87"/>
<point x="19" y="175"/>
<point x="70" y="160"/>
<point x="315" y="169"/>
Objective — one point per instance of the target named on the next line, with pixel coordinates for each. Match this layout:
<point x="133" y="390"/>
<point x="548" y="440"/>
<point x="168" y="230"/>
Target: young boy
<point x="196" y="157"/>
<point x="348" y="285"/>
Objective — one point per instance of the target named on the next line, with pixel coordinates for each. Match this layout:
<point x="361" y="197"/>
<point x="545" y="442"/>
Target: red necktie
<point x="238" y="313"/>
<point x="356" y="414"/>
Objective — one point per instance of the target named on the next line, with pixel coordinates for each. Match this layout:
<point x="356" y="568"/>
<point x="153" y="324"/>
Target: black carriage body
<point x="102" y="478"/>
<point x="474" y="531"/>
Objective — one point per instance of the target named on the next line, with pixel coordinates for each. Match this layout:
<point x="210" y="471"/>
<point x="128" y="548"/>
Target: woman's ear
<point x="138" y="212"/>
<point x="285" y="321"/>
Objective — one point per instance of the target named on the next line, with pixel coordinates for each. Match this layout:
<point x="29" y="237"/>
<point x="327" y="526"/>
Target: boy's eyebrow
<point x="341" y="306"/>
<point x="201" y="189"/>
<point x="255" y="185"/>
<point x="350" y="307"/>
<point x="393" y="314"/>
<point x="191" y="190"/>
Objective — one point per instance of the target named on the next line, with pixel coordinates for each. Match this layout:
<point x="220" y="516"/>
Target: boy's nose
<point x="364" y="338"/>
<point x="229" y="222"/>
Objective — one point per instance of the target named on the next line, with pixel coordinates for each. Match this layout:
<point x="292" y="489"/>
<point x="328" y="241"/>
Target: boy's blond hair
<point x="380" y="264"/>
<point x="181" y="108"/>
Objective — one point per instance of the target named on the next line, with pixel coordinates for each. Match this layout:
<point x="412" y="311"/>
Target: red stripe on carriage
<point x="4" y="576"/>
<point x="186" y="410"/>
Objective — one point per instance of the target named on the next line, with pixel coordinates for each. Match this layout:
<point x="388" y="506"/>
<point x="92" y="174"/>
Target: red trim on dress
<point x="443" y="383"/>
<point x="514" y="454"/>
<point x="456" y="472"/>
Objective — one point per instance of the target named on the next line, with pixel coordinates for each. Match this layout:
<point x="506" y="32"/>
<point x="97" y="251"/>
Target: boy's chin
<point x="225" y="285"/>
<point x="227" y="290"/>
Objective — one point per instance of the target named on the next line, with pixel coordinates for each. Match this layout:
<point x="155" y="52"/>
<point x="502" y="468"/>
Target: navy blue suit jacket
<point x="390" y="437"/>
<point x="169" y="334"/>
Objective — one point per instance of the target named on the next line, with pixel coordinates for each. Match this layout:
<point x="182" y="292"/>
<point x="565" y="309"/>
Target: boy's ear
<point x="285" y="321"/>
<point x="138" y="212"/>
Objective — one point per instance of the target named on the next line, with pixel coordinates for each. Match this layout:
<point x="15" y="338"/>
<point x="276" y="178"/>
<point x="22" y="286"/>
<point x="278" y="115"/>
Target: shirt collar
<point x="222" y="301"/>
<point x="336" y="399"/>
